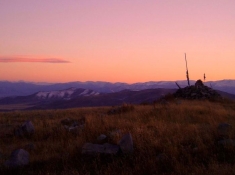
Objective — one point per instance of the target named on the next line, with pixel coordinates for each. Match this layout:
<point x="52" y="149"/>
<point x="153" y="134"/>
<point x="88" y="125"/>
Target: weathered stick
<point x="178" y="85"/>
<point x="187" y="75"/>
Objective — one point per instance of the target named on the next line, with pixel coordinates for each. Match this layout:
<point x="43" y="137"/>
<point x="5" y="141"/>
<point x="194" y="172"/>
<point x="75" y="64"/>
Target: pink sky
<point x="117" y="41"/>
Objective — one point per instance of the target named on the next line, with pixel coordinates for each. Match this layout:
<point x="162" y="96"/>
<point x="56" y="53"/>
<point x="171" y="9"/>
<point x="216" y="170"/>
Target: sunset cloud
<point x="32" y="60"/>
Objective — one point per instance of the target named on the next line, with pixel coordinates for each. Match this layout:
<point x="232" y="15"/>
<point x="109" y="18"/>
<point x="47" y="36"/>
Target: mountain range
<point x="24" y="88"/>
<point x="77" y="97"/>
<point x="73" y="98"/>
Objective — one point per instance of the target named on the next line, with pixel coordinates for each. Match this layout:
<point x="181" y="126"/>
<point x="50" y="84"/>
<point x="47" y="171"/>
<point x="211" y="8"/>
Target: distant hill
<point x="49" y="96"/>
<point x="72" y="98"/>
<point x="24" y="88"/>
<point x="77" y="97"/>
<point x="111" y="99"/>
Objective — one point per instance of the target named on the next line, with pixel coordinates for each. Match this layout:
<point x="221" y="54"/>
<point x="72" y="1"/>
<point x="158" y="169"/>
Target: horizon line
<point x="45" y="82"/>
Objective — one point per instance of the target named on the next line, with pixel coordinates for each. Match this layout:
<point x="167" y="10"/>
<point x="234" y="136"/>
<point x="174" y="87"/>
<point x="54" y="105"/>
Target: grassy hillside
<point x="168" y="139"/>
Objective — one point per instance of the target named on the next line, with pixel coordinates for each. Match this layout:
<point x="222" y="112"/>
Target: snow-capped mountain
<point x="66" y="94"/>
<point x="49" y="96"/>
<point x="55" y="94"/>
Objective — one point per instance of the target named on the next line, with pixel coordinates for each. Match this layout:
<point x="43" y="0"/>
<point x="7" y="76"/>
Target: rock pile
<point x="198" y="91"/>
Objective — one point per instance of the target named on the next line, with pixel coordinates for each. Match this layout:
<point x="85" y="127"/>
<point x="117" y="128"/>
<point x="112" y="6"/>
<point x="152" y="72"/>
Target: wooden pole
<point x="187" y="75"/>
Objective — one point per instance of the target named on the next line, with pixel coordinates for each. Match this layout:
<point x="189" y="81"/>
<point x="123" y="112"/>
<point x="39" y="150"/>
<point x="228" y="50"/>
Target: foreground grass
<point x="186" y="134"/>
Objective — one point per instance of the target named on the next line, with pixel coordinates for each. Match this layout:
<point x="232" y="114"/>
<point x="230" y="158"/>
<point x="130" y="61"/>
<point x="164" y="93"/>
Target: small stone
<point x="227" y="142"/>
<point x="18" y="158"/>
<point x="101" y="137"/>
<point x="94" y="149"/>
<point x="75" y="129"/>
<point x="26" y="129"/>
<point x="195" y="149"/>
<point x="126" y="144"/>
<point x="66" y="121"/>
<point x="161" y="157"/>
<point x="90" y="148"/>
<point x="71" y="122"/>
<point x="115" y="133"/>
<point x="224" y="128"/>
<point x="73" y="126"/>
<point x="30" y="147"/>
<point x="110" y="148"/>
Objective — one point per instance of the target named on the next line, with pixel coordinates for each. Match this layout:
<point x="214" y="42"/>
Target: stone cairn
<point x="197" y="91"/>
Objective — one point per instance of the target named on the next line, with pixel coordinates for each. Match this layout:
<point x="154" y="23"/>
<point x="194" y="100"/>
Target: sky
<point x="116" y="40"/>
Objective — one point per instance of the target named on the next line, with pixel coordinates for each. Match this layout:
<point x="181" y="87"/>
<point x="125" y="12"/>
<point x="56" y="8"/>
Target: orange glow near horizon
<point x="130" y="42"/>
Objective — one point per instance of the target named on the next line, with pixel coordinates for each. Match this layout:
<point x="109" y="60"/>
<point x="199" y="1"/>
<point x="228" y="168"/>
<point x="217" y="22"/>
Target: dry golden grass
<point x="185" y="133"/>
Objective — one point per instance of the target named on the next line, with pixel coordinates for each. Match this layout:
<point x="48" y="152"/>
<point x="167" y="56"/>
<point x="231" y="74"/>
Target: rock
<point x="90" y="148"/>
<point x="94" y="149"/>
<point x="195" y="149"/>
<point x="227" y="142"/>
<point x="126" y="144"/>
<point x="101" y="137"/>
<point x="110" y="148"/>
<point x="27" y="129"/>
<point x="71" y="122"/>
<point x="115" y="133"/>
<point x="18" y="158"/>
<point x="161" y="157"/>
<point x="223" y="129"/>
<point x="199" y="83"/>
<point x="73" y="126"/>
<point x="29" y="147"/>
<point x="67" y="121"/>
<point x="75" y="129"/>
